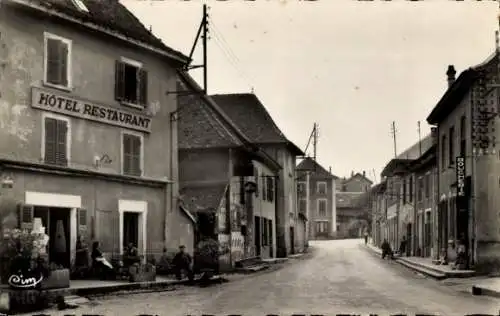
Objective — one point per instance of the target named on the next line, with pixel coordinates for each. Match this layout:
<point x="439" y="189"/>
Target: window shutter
<point x="136" y="155"/>
<point x="61" y="136"/>
<point x="26" y="214"/>
<point x="53" y="61"/>
<point x="242" y="190"/>
<point x="256" y="174"/>
<point x="50" y="140"/>
<point x="127" y="153"/>
<point x="143" y="87"/>
<point x="269" y="189"/>
<point x="264" y="188"/>
<point x="63" y="63"/>
<point x="82" y="223"/>
<point x="119" y="81"/>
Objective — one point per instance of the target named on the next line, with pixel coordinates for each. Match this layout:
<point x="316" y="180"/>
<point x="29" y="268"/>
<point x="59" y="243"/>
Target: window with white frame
<point x="55" y="140"/>
<point x="301" y="188"/>
<point x="303" y="206"/>
<point x="321" y="227"/>
<point x="57" y="61"/>
<point x="132" y="155"/>
<point x="321" y="187"/>
<point x="131" y="82"/>
<point x="321" y="207"/>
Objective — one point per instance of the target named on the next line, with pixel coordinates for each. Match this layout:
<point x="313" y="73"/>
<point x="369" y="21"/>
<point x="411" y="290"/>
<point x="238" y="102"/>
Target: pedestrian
<point x="386" y="249"/>
<point x="366" y="237"/>
<point x="402" y="246"/>
<point x="183" y="263"/>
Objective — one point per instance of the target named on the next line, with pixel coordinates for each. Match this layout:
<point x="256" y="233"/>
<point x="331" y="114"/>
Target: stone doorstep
<point x="421" y="269"/>
<point x="438" y="269"/>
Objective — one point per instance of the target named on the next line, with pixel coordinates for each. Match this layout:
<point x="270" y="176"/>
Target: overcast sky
<point x="352" y="67"/>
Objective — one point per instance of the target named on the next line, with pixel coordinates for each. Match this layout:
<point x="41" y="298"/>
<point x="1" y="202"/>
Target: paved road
<point x="342" y="277"/>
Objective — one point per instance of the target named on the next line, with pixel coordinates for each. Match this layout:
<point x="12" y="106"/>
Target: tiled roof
<point x="357" y="176"/>
<point x="351" y="199"/>
<point x="250" y="115"/>
<point x="111" y="15"/>
<point x="309" y="164"/>
<point x="199" y="126"/>
<point x="415" y="150"/>
<point x="202" y="198"/>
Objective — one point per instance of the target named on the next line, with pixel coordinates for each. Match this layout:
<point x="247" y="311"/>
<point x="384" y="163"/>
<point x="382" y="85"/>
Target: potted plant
<point x="24" y="252"/>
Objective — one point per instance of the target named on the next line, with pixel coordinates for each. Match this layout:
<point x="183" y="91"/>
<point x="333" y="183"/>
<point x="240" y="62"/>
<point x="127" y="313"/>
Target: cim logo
<point x="19" y="281"/>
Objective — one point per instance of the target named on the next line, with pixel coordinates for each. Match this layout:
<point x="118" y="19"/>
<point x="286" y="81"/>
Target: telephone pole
<point x="203" y="33"/>
<point x="419" y="139"/>
<point x="393" y="133"/>
<point x="315" y="140"/>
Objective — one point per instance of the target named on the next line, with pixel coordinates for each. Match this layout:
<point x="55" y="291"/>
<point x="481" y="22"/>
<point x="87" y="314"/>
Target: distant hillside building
<point x="316" y="199"/>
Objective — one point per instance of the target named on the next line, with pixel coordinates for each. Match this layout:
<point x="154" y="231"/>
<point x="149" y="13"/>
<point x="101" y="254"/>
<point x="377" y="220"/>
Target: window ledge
<point x="133" y="105"/>
<point x="58" y="87"/>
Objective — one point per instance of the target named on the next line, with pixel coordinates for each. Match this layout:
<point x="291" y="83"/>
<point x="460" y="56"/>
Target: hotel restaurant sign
<point x="63" y="104"/>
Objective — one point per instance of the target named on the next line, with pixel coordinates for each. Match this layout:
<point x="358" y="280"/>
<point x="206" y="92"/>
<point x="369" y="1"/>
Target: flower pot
<point x="58" y="279"/>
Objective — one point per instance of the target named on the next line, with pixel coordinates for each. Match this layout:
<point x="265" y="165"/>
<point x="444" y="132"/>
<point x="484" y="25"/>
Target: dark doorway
<point x="292" y="240"/>
<point x="271" y="238"/>
<point x="59" y="236"/>
<point x="409" y="238"/>
<point x="130" y="229"/>
<point x="257" y="235"/>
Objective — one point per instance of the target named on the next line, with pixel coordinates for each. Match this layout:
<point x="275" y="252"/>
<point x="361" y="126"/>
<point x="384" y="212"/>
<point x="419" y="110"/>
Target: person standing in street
<point x="366" y="237"/>
<point x="182" y="262"/>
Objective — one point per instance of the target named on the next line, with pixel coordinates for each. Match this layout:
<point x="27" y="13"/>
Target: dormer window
<point x="80" y="5"/>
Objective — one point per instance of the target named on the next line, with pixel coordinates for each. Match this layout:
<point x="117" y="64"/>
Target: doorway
<point x="57" y="226"/>
<point x="130" y="229"/>
<point x="257" y="235"/>
<point x="292" y="240"/>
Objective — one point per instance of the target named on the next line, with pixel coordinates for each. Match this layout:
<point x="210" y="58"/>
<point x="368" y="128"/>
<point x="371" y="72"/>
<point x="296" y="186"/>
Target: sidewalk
<point x="427" y="267"/>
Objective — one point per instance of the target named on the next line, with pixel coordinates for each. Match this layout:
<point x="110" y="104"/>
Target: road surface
<point x="342" y="277"/>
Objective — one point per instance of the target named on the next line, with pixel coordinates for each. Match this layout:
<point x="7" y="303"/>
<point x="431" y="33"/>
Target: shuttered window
<point x="57" y="55"/>
<point x="264" y="196"/>
<point x="322" y="208"/>
<point x="132" y="145"/>
<point x="56" y="140"/>
<point x="303" y="206"/>
<point x="131" y="83"/>
<point x="270" y="189"/>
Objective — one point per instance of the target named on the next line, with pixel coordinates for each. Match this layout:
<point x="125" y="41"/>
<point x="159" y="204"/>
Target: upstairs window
<point x="131" y="82"/>
<point x="55" y="141"/>
<point x="451" y="147"/>
<point x="132" y="154"/>
<point x="463" y="136"/>
<point x="321" y="188"/>
<point x="57" y="61"/>
<point x="270" y="188"/>
<point x="302" y="206"/>
<point x="322" y="208"/>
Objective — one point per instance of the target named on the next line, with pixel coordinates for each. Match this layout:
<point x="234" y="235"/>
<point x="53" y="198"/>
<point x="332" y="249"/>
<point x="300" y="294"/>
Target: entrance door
<point x="271" y="238"/>
<point x="408" y="239"/>
<point x="292" y="239"/>
<point x="59" y="236"/>
<point x="257" y="235"/>
<point x="130" y="229"/>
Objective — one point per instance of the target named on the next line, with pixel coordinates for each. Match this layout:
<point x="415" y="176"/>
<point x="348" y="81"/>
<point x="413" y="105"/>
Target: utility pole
<point x="393" y="133"/>
<point x="203" y="33"/>
<point x="419" y="139"/>
<point x="315" y="140"/>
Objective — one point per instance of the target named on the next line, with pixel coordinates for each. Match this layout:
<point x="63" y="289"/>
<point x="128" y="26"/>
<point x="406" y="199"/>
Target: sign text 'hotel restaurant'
<point x="59" y="103"/>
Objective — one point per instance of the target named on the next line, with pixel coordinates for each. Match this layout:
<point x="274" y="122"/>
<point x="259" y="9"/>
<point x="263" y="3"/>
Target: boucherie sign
<point x="63" y="104"/>
<point x="460" y="173"/>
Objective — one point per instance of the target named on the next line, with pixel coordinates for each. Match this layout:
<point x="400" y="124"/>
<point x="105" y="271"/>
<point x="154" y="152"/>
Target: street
<point x="341" y="277"/>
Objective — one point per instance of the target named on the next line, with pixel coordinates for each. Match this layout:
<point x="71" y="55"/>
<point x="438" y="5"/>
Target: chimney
<point x="450" y="73"/>
<point x="330" y="169"/>
<point x="352" y="173"/>
<point x="364" y="174"/>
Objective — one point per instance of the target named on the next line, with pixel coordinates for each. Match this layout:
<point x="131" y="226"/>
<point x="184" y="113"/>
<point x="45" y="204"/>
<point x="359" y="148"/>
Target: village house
<point x="250" y="115"/>
<point x="226" y="181"/>
<point x="466" y="118"/>
<point x="86" y="136"/>
<point x="316" y="199"/>
<point x="379" y="213"/>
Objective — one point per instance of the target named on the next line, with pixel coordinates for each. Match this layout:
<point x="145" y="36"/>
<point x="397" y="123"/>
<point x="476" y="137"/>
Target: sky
<point x="352" y="67"/>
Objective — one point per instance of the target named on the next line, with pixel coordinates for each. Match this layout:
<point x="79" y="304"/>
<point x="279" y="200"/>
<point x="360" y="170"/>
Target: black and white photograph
<point x="237" y="157"/>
